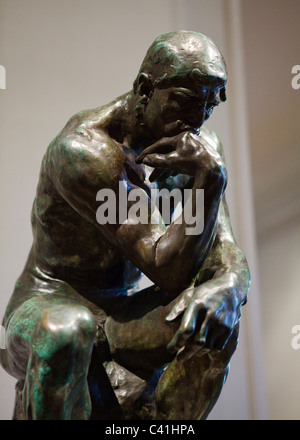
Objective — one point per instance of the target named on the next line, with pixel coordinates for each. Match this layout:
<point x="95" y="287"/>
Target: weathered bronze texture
<point x="83" y="341"/>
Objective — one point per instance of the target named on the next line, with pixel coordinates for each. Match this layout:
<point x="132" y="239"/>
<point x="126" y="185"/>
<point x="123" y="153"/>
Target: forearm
<point x="226" y="266"/>
<point x="182" y="254"/>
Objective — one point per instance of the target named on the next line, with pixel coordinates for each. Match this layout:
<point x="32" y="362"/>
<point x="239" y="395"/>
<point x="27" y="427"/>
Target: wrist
<point x="214" y="177"/>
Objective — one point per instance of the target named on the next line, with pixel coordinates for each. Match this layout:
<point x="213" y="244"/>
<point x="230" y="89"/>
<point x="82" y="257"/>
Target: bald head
<point x="184" y="55"/>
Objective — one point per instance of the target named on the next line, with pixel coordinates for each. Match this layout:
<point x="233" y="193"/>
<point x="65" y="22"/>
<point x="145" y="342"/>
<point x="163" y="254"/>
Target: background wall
<point x="272" y="47"/>
<point x="62" y="56"/>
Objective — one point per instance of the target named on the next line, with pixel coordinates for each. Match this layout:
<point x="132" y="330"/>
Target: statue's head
<point x="189" y="64"/>
<point x="183" y="55"/>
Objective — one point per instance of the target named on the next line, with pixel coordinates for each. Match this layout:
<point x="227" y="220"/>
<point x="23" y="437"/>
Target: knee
<point x="65" y="330"/>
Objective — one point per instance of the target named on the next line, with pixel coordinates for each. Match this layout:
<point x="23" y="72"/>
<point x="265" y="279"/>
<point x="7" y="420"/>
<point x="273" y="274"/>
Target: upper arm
<point x="80" y="167"/>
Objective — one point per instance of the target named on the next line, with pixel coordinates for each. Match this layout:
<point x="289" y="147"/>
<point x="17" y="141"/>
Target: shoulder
<point x="85" y="152"/>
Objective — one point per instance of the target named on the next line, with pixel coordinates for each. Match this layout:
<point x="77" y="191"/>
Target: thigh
<point x="45" y="320"/>
<point x="138" y="334"/>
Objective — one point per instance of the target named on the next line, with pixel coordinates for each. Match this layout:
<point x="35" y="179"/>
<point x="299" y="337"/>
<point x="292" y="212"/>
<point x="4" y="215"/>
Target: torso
<point x="69" y="247"/>
<point x="66" y="245"/>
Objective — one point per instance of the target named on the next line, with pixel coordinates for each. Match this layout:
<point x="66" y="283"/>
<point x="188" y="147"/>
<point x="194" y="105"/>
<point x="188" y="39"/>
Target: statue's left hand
<point x="210" y="313"/>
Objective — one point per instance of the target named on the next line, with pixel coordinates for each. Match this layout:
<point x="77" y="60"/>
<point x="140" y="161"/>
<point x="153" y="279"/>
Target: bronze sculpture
<point x="82" y="341"/>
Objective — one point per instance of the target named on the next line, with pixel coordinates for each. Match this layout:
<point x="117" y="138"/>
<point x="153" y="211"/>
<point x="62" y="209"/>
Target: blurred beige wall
<point x="62" y="56"/>
<point x="272" y="48"/>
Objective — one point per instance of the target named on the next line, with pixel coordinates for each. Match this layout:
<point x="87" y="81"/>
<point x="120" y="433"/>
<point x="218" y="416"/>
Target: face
<point x="175" y="109"/>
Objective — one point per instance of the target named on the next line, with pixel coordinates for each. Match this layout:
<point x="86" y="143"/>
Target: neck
<point x="125" y="126"/>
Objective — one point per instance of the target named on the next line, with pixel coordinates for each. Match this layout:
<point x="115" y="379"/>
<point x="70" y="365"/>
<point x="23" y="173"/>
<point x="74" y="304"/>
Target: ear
<point x="144" y="86"/>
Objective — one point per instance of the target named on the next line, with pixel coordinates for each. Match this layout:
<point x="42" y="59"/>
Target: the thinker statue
<point x="83" y="341"/>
